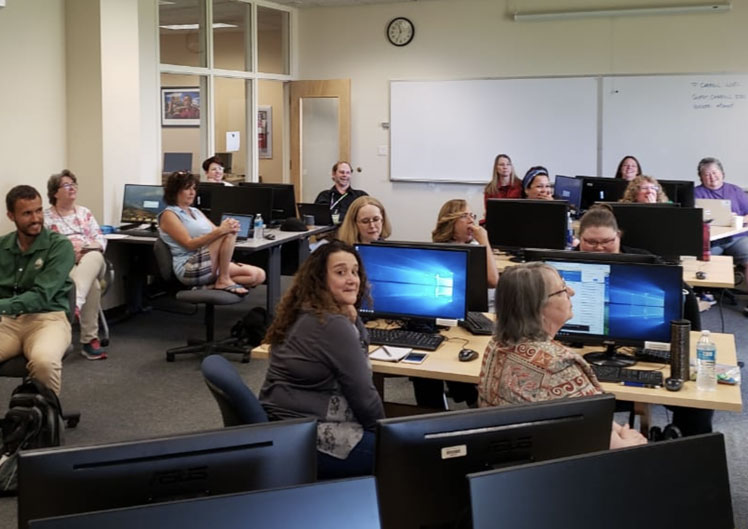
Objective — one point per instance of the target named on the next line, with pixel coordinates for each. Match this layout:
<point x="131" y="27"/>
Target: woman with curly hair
<point x="644" y="189"/>
<point x="319" y="363"/>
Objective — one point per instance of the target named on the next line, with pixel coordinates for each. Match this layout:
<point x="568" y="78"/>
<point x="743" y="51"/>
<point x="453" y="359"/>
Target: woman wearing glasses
<point x="365" y="221"/>
<point x="644" y="189"/>
<point x="78" y="224"/>
<point x="456" y="223"/>
<point x="523" y="363"/>
<point x="536" y="185"/>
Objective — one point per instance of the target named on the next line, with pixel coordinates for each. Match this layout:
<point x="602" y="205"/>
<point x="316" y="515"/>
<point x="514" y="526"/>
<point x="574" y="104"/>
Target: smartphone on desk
<point x="414" y="358"/>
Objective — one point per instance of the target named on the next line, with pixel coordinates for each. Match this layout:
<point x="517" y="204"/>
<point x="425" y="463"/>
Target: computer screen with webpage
<point x="624" y="303"/>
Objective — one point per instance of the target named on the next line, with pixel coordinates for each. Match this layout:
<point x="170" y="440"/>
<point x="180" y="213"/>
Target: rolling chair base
<point x="205" y="348"/>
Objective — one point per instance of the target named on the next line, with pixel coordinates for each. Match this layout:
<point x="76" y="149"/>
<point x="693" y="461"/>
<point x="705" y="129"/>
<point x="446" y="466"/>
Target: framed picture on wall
<point x="180" y="106"/>
<point x="265" y="131"/>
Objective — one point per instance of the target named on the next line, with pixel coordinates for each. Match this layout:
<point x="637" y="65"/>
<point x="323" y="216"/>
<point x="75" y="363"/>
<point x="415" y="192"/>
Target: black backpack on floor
<point x="33" y="420"/>
<point x="250" y="330"/>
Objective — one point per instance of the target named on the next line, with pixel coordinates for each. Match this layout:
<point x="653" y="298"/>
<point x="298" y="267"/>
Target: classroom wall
<point x="32" y="95"/>
<point x="476" y="38"/>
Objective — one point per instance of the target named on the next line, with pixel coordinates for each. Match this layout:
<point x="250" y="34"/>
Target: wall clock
<point x="400" y="31"/>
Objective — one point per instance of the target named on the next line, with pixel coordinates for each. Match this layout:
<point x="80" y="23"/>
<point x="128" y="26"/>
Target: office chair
<point x="16" y="367"/>
<point x="104" y="284"/>
<point x="236" y="401"/>
<point x="208" y="297"/>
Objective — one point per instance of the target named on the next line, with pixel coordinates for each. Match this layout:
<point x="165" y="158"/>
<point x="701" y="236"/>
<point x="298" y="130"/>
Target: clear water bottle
<point x="259" y="228"/>
<point x="706" y="357"/>
<point x="569" y="232"/>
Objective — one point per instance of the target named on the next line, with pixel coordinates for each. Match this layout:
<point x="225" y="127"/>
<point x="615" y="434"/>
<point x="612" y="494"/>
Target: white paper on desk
<point x="232" y="141"/>
<point x="116" y="236"/>
<point x="395" y="353"/>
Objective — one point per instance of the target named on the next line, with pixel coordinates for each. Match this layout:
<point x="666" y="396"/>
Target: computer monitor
<point x="665" y="231"/>
<point x="228" y="199"/>
<point x="177" y="161"/>
<point x="679" y="192"/>
<point x="415" y="284"/>
<point x="142" y="203"/>
<point x="601" y="189"/>
<point x="53" y="482"/>
<point x="534" y="254"/>
<point x="515" y="224"/>
<point x="570" y="189"/>
<point x="618" y="304"/>
<point x="204" y="192"/>
<point x="678" y="483"/>
<point x="477" y="278"/>
<point x="284" y="199"/>
<point x="421" y="462"/>
<point x="330" y="505"/>
<point x="227" y="159"/>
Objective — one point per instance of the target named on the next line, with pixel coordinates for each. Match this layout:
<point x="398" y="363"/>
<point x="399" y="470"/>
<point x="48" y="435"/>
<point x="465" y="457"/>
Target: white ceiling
<point x="337" y="3"/>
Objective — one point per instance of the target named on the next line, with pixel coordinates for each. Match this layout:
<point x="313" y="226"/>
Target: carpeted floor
<point x="137" y="394"/>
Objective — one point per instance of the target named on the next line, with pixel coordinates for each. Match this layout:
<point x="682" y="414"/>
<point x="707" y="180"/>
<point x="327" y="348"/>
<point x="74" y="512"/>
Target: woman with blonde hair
<point x="365" y="221"/>
<point x="644" y="189"/>
<point x="504" y="181"/>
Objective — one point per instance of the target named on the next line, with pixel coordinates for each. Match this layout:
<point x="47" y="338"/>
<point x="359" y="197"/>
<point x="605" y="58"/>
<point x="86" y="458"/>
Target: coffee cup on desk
<point x="309" y="220"/>
<point x="737" y="222"/>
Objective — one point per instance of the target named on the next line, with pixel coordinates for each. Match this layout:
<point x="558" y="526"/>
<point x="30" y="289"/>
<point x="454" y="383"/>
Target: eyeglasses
<point x="69" y="185"/>
<point x="593" y="242"/>
<point x="649" y="188"/>
<point x="556" y="293"/>
<point x="468" y="215"/>
<point x="372" y="220"/>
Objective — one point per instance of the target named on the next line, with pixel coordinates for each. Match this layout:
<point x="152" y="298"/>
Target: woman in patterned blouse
<point x="523" y="363"/>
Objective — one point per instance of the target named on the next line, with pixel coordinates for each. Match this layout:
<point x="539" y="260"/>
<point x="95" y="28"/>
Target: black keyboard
<point x="135" y="232"/>
<point x="653" y="355"/>
<point x="619" y="374"/>
<point x="400" y="338"/>
<point x="477" y="323"/>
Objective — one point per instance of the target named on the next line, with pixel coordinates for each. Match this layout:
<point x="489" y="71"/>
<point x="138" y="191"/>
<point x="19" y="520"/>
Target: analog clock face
<point x="400" y="31"/>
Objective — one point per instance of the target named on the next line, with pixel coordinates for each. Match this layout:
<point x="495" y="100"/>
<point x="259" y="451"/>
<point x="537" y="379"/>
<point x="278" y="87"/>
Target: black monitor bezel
<point x="526" y="216"/>
<point x="577" y="205"/>
<point x="283" y="200"/>
<point x="239" y="199"/>
<point x="162" y="204"/>
<point x="420" y="460"/>
<point x="617" y="184"/>
<point x="188" y="155"/>
<point x="687" y="201"/>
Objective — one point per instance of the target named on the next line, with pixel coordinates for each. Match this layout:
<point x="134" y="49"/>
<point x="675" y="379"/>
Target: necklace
<point x="69" y="227"/>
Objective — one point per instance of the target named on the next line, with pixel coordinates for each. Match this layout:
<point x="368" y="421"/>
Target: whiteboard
<point x="451" y="131"/>
<point x="670" y="122"/>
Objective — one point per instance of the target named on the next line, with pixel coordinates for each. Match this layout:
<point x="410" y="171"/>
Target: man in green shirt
<point x="35" y="266"/>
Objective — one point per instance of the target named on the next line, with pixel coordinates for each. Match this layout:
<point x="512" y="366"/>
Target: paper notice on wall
<point x="232" y="141"/>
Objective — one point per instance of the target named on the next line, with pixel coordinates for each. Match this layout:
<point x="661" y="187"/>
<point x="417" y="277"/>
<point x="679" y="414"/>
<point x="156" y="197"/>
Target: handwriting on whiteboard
<point x="718" y="95"/>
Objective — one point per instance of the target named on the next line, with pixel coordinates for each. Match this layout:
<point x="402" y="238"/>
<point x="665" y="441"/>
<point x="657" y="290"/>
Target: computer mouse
<point x="673" y="384"/>
<point x="466" y="355"/>
<point x="270" y="236"/>
<point x="700" y="275"/>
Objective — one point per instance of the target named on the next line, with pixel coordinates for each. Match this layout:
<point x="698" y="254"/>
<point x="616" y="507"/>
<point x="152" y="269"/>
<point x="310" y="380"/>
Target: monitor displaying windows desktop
<point x="415" y="283"/>
<point x="58" y="481"/>
<point x="679" y="192"/>
<point x="677" y="483"/>
<point x="177" y="161"/>
<point x="515" y="224"/>
<point x="142" y="203"/>
<point x="421" y="462"/>
<point x="477" y="278"/>
<point x="601" y="189"/>
<point x="570" y="189"/>
<point x="669" y="232"/>
<point x="618" y="304"/>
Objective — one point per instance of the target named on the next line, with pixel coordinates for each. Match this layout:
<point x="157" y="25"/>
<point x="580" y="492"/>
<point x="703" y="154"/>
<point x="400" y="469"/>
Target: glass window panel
<point x="182" y="32"/>
<point x="182" y="118"/>
<point x="231" y="42"/>
<point x="231" y="96"/>
<point x="272" y="40"/>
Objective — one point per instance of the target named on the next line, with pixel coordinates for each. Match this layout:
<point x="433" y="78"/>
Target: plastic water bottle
<point x="706" y="356"/>
<point x="569" y="232"/>
<point x="259" y="228"/>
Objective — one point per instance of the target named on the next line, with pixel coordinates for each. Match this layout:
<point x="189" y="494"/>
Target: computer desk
<point x="722" y="232"/>
<point x="273" y="272"/>
<point x="443" y="364"/>
<point x="718" y="270"/>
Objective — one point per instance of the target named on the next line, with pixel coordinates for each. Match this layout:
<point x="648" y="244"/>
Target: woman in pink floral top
<point x="522" y="362"/>
<point x="80" y="226"/>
